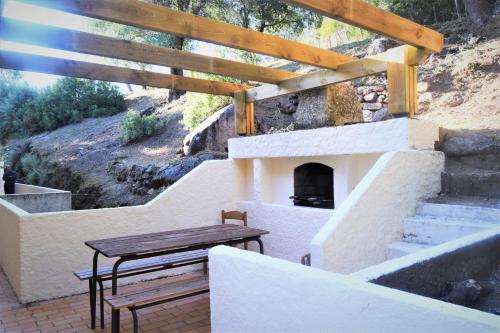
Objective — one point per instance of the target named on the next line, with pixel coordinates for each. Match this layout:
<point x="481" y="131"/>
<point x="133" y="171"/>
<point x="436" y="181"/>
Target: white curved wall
<point x="254" y="293"/>
<point x="371" y="217"/>
<point x="52" y="244"/>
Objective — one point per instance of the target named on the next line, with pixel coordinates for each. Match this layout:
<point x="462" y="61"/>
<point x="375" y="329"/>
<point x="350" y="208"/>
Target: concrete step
<point x="434" y="231"/>
<point x="459" y="211"/>
<point x="399" y="249"/>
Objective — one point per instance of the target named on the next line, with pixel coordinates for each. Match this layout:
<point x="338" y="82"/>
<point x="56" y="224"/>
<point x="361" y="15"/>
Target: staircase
<point x="470" y="198"/>
<point x="444" y="219"/>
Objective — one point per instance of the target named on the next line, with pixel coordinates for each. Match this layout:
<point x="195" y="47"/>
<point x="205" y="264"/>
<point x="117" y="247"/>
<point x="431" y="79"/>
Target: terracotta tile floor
<point x="71" y="314"/>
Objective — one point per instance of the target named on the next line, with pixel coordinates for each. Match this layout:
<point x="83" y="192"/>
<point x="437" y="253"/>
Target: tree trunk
<point x="479" y="11"/>
<point x="176" y="94"/>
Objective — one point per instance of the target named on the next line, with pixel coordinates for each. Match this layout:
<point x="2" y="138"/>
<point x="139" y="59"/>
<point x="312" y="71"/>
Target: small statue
<point x="9" y="178"/>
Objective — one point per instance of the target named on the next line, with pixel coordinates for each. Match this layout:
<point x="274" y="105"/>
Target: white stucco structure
<point x="39" y="252"/>
<point x="374" y="165"/>
<point x="255" y="293"/>
<point x="371" y="217"/>
<point x="377" y="137"/>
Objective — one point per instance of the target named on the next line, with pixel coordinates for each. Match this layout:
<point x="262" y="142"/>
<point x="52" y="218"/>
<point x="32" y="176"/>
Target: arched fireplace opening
<point x="313" y="186"/>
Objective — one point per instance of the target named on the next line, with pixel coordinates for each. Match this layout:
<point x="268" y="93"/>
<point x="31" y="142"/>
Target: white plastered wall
<point x="51" y="245"/>
<point x="10" y="259"/>
<point x="371" y="217"/>
<point x="291" y="228"/>
<point x="377" y="137"/>
<point x="254" y="293"/>
<point x="277" y="175"/>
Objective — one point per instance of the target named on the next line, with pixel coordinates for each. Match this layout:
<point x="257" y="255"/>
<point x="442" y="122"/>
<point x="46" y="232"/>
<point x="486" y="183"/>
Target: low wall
<point x="290" y="228"/>
<point x="371" y="217"/>
<point x="379" y="137"/>
<point x="442" y="263"/>
<point x="254" y="293"/>
<point x="10" y="259"/>
<point x="37" y="199"/>
<point x="52" y="244"/>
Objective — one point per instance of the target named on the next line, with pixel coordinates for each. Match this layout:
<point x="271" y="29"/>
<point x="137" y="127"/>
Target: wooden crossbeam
<point x="69" y="40"/>
<point x="51" y="65"/>
<point x="163" y="19"/>
<point x="345" y="72"/>
<point x="377" y="20"/>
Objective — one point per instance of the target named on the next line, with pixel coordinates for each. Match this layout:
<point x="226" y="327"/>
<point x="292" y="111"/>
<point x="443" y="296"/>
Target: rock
<point x="171" y="173"/>
<point x="363" y="90"/>
<point x="423" y="86"/>
<point x="380" y="45"/>
<point x="378" y="89"/>
<point x="371" y="97"/>
<point x="212" y="134"/>
<point x="151" y="191"/>
<point x="288" y="104"/>
<point x="381" y="98"/>
<point x="380" y="115"/>
<point x="149" y="169"/>
<point x="424" y="101"/>
<point x="342" y="105"/>
<point x="330" y="106"/>
<point x="454" y="100"/>
<point x="469" y="142"/>
<point x="464" y="292"/>
<point x="367" y="115"/>
<point x="147" y="112"/>
<point x="372" y="106"/>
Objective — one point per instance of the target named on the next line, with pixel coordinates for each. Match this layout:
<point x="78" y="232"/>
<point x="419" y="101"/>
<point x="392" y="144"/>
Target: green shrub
<point x="135" y="127"/>
<point x="200" y="106"/>
<point x="26" y="111"/>
<point x="34" y="170"/>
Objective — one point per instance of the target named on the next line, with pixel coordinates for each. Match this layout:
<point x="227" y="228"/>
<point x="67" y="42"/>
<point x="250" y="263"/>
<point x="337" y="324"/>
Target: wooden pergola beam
<point x="377" y="20"/>
<point x="162" y="19"/>
<point x="69" y="40"/>
<point x="345" y="72"/>
<point x="57" y="66"/>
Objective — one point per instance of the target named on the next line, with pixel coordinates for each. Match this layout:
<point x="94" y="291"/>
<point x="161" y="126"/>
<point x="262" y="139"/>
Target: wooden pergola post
<point x="244" y="118"/>
<point x="402" y="84"/>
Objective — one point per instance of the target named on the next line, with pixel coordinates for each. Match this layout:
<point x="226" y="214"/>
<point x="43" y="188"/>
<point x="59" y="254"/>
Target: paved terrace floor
<point x="71" y="314"/>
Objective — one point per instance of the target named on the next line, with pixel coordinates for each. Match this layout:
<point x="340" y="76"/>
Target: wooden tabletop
<point x="171" y="240"/>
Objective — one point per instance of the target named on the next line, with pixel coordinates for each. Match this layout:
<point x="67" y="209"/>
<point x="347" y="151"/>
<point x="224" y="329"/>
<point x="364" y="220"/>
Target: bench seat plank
<point x="136" y="265"/>
<point x="160" y="293"/>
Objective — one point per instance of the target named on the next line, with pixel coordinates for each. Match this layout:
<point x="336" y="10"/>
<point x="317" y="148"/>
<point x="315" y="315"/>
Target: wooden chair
<point x="235" y="215"/>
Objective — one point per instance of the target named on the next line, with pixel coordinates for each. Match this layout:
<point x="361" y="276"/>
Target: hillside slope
<point x="458" y="88"/>
<point x="91" y="147"/>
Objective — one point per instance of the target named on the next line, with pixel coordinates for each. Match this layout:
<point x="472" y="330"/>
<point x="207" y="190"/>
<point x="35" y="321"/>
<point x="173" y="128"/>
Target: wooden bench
<point x="167" y="292"/>
<point x="136" y="267"/>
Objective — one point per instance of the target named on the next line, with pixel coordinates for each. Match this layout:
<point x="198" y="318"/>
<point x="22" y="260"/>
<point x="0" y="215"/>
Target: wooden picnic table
<point x="136" y="247"/>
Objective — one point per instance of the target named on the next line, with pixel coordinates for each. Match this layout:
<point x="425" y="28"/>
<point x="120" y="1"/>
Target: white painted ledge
<point x="379" y="137"/>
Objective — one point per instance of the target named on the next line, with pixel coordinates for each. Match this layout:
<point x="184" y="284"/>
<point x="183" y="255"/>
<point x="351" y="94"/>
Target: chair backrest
<point x="234" y="215"/>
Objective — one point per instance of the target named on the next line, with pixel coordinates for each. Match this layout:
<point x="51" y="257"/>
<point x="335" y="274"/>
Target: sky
<point x="21" y="11"/>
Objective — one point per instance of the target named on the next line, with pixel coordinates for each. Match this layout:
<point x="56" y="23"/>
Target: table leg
<point x="115" y="314"/>
<point x="93" y="292"/>
<point x="261" y="245"/>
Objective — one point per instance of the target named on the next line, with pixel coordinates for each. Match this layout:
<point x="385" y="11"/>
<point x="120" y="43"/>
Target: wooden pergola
<point x="399" y="63"/>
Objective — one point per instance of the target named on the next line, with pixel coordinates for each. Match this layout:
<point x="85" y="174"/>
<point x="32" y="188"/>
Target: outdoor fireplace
<point x="313" y="186"/>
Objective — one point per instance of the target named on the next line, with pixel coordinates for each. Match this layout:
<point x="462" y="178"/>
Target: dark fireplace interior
<point x="313" y="186"/>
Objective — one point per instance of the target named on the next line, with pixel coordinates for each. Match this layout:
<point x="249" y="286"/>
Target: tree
<point x="271" y="16"/>
<point x="196" y="7"/>
<point x="479" y="11"/>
